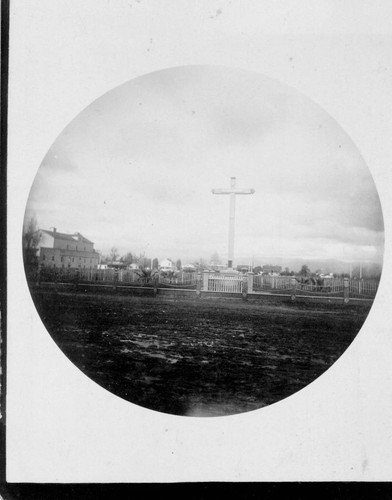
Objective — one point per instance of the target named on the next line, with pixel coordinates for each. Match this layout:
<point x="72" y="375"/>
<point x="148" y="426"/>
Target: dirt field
<point x="203" y="357"/>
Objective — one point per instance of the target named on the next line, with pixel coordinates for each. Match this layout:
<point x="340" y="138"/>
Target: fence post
<point x="244" y="289"/>
<point x="155" y="284"/>
<point x="346" y="290"/>
<point x="205" y="280"/>
<point x="76" y="278"/>
<point x="250" y="281"/>
<point x="198" y="285"/>
<point x="38" y="277"/>
<point x="293" y="288"/>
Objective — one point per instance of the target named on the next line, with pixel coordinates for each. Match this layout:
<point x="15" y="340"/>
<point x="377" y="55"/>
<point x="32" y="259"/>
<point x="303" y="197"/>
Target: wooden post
<point x="198" y="285"/>
<point x="346" y="290"/>
<point x="155" y="284"/>
<point x="245" y="289"/>
<point x="250" y="281"/>
<point x="38" y="277"/>
<point x="205" y="280"/>
<point x="293" y="288"/>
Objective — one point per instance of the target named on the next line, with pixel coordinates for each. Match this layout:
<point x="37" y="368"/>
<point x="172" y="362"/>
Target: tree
<point x="155" y="263"/>
<point x="128" y="258"/>
<point x="201" y="265"/>
<point x="305" y="271"/>
<point x="113" y="254"/>
<point x="105" y="259"/>
<point x="143" y="261"/>
<point x="178" y="264"/>
<point x="146" y="275"/>
<point x="30" y="241"/>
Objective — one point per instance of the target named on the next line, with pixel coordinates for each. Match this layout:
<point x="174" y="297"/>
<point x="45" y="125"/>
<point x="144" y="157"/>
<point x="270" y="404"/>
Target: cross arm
<point x="221" y="191"/>
<point x="244" y="191"/>
<point x="233" y="191"/>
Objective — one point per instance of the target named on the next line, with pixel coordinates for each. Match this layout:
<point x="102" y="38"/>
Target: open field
<point x="206" y="357"/>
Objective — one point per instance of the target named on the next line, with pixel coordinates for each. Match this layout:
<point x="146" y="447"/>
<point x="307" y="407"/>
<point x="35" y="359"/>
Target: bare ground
<point x="203" y="357"/>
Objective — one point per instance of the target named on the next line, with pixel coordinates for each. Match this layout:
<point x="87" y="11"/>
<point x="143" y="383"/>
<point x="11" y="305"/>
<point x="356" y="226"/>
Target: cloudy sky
<point x="136" y="168"/>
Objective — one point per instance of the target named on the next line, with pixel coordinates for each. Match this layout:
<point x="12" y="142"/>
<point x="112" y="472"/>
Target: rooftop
<point x="64" y="236"/>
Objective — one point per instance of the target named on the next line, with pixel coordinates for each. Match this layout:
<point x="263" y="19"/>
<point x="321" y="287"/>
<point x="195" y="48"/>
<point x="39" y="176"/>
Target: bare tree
<point x="30" y="241"/>
<point x="113" y="254"/>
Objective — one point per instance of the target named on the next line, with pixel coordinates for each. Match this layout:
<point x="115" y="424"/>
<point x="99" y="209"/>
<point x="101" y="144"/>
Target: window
<point x="73" y="260"/>
<point x="62" y="259"/>
<point x="44" y="257"/>
<point x="52" y="257"/>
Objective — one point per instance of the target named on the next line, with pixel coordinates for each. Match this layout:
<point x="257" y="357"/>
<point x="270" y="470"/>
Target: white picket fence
<point x="364" y="287"/>
<point x="326" y="286"/>
<point x="225" y="284"/>
<point x="276" y="282"/>
<point x="216" y="282"/>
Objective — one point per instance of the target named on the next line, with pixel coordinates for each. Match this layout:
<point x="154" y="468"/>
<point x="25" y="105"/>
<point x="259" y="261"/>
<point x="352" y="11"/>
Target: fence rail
<point x="225" y="284"/>
<point x="113" y="276"/>
<point x="214" y="282"/>
<point x="363" y="287"/>
<point x="271" y="282"/>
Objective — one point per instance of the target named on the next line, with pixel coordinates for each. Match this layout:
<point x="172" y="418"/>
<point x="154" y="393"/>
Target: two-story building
<point x="60" y="250"/>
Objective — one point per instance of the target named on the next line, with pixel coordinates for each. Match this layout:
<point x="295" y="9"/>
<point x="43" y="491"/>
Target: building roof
<point x="166" y="262"/>
<point x="64" y="236"/>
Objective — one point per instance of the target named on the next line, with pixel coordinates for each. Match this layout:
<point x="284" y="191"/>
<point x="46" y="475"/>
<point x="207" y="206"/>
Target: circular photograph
<point x="203" y="241"/>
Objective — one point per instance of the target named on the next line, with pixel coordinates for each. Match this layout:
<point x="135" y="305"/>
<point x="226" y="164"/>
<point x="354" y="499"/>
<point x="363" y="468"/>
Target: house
<point x="189" y="268"/>
<point x="116" y="264"/>
<point x="167" y="265"/>
<point x="61" y="250"/>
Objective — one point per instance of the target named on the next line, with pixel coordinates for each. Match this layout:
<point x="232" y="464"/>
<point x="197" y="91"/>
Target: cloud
<point x="136" y="169"/>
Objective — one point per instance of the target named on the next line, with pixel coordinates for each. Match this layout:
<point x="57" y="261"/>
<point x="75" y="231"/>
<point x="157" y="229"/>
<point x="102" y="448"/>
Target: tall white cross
<point x="232" y="192"/>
